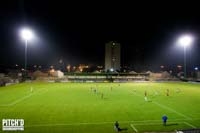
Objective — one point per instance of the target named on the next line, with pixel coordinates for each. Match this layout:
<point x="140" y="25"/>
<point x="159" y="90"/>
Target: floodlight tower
<point x="26" y="35"/>
<point x="185" y="41"/>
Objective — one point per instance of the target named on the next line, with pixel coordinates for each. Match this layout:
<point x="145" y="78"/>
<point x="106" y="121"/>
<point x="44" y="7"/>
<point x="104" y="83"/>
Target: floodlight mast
<point x="25" y="65"/>
<point x="26" y="35"/>
<point x="185" y="41"/>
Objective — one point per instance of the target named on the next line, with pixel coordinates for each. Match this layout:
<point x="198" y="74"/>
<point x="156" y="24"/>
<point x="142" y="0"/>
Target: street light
<point x="196" y="68"/>
<point x="185" y="41"/>
<point x="26" y="35"/>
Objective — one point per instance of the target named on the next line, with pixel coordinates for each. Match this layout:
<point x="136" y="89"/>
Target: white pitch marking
<point x="145" y="122"/>
<point x="190" y="124"/>
<point x="17" y="101"/>
<point x="134" y="128"/>
<point x="172" y="110"/>
<point x="165" y="107"/>
<point x="21" y="99"/>
<point x="156" y="123"/>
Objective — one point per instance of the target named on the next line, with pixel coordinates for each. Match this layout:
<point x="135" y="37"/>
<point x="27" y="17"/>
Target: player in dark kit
<point x="164" y="118"/>
<point x="101" y="95"/>
<point x="145" y="93"/>
<point x="145" y="96"/>
<point x="167" y="93"/>
<point x="116" y="126"/>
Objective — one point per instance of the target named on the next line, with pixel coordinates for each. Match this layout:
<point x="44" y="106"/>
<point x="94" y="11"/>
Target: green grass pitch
<point x="76" y="108"/>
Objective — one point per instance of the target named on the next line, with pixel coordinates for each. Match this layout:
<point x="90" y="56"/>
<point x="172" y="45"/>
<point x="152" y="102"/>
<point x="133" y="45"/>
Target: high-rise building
<point x="112" y="56"/>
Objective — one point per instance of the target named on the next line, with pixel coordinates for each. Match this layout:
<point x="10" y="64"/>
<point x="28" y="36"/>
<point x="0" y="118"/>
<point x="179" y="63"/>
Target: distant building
<point x="58" y="74"/>
<point x="112" y="56"/>
<point x="38" y="73"/>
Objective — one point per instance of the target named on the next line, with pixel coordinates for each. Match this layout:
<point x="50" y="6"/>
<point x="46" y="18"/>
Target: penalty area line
<point x="189" y="124"/>
<point x="166" y="107"/>
<point x="172" y="110"/>
<point x="134" y="128"/>
<point x="16" y="101"/>
<point x="23" y="98"/>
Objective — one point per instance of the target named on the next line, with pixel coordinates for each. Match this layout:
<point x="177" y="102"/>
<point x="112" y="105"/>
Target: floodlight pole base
<point x="185" y="64"/>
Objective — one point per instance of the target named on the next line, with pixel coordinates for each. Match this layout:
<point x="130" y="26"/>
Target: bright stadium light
<point x="185" y="41"/>
<point x="26" y="34"/>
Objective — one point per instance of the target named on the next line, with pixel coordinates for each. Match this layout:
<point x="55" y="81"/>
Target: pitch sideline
<point x="144" y="122"/>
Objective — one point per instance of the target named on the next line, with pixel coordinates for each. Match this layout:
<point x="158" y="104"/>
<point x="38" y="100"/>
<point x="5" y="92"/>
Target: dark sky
<point x="77" y="32"/>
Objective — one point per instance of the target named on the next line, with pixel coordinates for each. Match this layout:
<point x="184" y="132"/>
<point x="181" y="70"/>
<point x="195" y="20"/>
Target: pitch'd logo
<point x="13" y="124"/>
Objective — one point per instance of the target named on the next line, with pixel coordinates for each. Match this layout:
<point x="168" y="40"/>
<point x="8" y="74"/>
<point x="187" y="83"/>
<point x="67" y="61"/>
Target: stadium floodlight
<point x="185" y="41"/>
<point x="111" y="69"/>
<point x="26" y="35"/>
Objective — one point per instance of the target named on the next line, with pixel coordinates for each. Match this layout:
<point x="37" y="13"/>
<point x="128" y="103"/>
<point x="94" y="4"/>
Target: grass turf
<point x="75" y="107"/>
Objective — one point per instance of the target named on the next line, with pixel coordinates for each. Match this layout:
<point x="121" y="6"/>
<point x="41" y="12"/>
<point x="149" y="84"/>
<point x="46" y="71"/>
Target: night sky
<point x="77" y="32"/>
